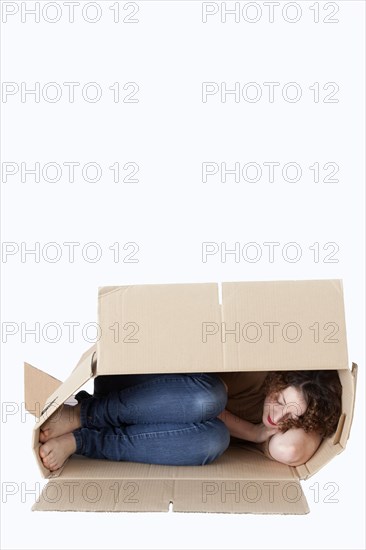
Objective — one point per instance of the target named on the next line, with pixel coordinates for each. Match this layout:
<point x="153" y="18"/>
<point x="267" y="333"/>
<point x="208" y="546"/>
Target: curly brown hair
<point x="322" y="391"/>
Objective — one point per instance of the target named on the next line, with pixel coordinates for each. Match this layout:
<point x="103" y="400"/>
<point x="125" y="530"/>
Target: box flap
<point x="107" y="289"/>
<point x="226" y="496"/>
<point x="233" y="496"/>
<point x="106" y="495"/>
<point x="284" y="325"/>
<point x="157" y="328"/>
<point x="81" y="373"/>
<point x="38" y="385"/>
<point x="241" y="480"/>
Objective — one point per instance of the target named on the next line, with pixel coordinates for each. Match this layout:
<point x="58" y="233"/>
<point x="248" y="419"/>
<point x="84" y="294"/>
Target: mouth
<point x="271" y="421"/>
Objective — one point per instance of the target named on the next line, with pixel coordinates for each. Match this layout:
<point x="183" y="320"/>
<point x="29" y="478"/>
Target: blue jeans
<point x="154" y="418"/>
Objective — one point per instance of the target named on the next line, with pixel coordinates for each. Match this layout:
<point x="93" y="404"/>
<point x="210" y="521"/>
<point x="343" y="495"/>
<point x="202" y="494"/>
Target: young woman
<point x="287" y="413"/>
<point x="187" y="419"/>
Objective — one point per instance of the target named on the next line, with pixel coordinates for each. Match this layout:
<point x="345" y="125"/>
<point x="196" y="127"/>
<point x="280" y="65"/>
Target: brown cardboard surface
<point x="349" y="383"/>
<point x="276" y="318"/>
<point x="159" y="328"/>
<point x="226" y="496"/>
<point x="336" y="444"/>
<point x="166" y="321"/>
<point x="270" y="325"/>
<point x="106" y="495"/>
<point x="81" y="374"/>
<point x="37" y="387"/>
<point x="238" y="463"/>
<point x="239" y="481"/>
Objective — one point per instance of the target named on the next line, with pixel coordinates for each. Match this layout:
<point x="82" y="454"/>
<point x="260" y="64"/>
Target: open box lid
<point x="268" y="325"/>
<point x="43" y="393"/>
<point x="157" y="328"/>
<point x="37" y="383"/>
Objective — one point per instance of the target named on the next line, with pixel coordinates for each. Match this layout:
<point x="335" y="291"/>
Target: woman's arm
<point x="243" y="429"/>
<point x="294" y="447"/>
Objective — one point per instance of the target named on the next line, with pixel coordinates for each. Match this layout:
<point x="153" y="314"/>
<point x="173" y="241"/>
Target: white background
<point x="170" y="212"/>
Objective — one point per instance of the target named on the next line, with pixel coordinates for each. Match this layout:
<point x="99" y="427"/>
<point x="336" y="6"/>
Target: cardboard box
<point x="275" y="325"/>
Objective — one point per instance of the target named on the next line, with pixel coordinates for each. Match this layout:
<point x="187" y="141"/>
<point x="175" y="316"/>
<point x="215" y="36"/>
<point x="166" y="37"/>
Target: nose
<point x="278" y="413"/>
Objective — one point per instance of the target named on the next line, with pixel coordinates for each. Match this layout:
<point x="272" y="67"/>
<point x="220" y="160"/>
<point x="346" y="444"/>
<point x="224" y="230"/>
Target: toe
<point x="48" y="460"/>
<point x="45" y="462"/>
<point x="44" y="450"/>
<point x="53" y="464"/>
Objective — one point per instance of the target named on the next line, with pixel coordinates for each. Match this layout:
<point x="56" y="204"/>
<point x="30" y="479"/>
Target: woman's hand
<point x="261" y="433"/>
<point x="242" y="429"/>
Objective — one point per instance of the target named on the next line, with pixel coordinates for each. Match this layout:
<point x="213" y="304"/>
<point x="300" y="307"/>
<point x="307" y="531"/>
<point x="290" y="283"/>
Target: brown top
<point x="245" y="399"/>
<point x="245" y="394"/>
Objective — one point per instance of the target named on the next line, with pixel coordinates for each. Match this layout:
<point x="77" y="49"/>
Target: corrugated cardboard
<point x="271" y="325"/>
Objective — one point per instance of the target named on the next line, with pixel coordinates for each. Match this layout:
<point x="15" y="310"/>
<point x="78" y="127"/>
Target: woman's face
<point x="288" y="403"/>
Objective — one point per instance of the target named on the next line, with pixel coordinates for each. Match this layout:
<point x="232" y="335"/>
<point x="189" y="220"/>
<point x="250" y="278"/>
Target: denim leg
<point x="182" y="398"/>
<point x="105" y="384"/>
<point x="167" y="443"/>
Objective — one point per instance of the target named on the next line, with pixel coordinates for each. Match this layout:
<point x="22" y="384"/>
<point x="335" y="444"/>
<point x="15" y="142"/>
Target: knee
<point x="212" y="398"/>
<point x="218" y="440"/>
<point x="221" y="391"/>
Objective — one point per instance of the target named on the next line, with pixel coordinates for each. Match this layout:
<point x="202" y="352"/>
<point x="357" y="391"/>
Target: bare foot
<point x="63" y="421"/>
<point x="55" y="451"/>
